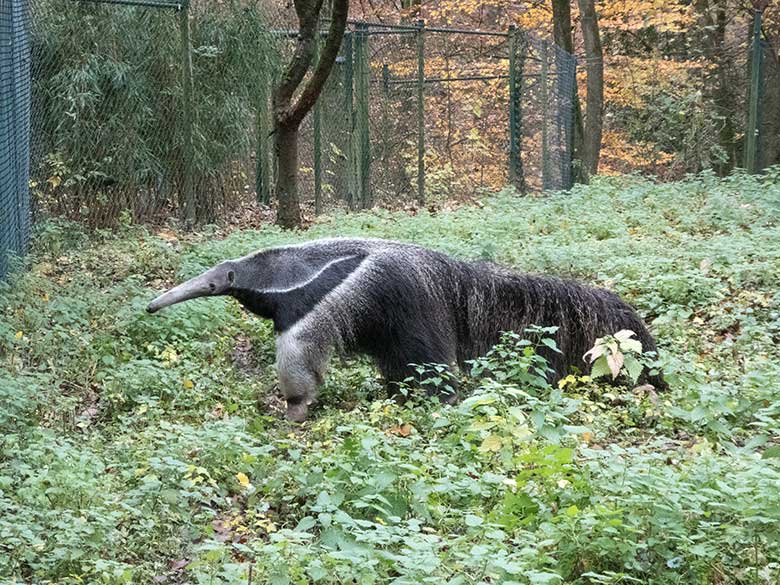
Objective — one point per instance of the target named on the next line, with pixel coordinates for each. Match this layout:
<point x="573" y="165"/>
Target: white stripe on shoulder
<point x="309" y="280"/>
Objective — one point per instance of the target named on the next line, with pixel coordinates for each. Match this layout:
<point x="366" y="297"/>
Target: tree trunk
<point x="288" y="112"/>
<point x="594" y="102"/>
<point x="288" y="213"/>
<point x="724" y="95"/>
<point x="712" y="19"/>
<point x="562" y="36"/>
<point x="770" y="127"/>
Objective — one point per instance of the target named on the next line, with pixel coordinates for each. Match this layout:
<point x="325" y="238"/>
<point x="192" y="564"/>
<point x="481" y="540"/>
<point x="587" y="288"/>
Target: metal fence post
<point x="362" y="144"/>
<point x="262" y="168"/>
<point x="317" y="123"/>
<point x="351" y="182"/>
<point x="421" y="112"/>
<point x="21" y="115"/>
<point x="385" y="102"/>
<point x="187" y="194"/>
<point x="571" y="121"/>
<point x="516" y="175"/>
<point x="752" y="130"/>
<point x="543" y="99"/>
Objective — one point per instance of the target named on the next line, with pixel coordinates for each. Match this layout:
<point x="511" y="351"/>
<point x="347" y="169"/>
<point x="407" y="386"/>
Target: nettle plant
<point x="516" y="358"/>
<point x="613" y="355"/>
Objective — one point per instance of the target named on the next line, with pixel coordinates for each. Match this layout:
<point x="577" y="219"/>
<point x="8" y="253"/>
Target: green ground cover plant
<point x="150" y="449"/>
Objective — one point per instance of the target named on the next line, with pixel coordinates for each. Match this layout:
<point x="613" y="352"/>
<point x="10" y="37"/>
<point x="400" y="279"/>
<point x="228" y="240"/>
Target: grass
<point x="150" y="449"/>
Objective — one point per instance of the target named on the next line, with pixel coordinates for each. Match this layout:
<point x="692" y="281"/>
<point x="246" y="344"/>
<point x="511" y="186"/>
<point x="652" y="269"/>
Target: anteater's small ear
<point x="231" y="277"/>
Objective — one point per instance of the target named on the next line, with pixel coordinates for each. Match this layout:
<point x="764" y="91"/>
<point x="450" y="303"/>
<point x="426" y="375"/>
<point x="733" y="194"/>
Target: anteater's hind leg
<point x="400" y="366"/>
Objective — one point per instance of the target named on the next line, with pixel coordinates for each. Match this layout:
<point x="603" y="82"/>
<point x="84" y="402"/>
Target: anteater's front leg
<point x="301" y="366"/>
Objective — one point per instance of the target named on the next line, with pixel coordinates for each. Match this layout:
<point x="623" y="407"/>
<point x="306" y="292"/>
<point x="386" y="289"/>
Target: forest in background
<point x="675" y="89"/>
<point x="675" y="74"/>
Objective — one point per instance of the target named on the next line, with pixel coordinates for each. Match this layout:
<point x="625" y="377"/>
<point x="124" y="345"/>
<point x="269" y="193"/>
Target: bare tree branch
<point x="308" y="15"/>
<point x="313" y="87"/>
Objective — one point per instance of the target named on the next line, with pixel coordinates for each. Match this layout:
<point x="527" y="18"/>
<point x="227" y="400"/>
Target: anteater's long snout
<point x="213" y="282"/>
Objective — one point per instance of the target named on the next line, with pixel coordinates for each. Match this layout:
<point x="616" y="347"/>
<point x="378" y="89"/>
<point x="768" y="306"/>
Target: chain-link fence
<point x="414" y="114"/>
<point x="153" y="108"/>
<point x="762" y="140"/>
<point x="14" y="131"/>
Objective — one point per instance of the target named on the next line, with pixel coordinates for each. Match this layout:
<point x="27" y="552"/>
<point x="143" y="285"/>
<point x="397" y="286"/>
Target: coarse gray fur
<point x="402" y="304"/>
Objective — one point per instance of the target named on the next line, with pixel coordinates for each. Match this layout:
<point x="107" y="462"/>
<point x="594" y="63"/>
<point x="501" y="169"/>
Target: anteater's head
<point x="216" y="281"/>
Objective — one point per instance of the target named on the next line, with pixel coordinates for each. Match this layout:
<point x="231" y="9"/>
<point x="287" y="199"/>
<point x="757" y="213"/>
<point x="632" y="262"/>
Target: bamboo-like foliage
<point x="108" y="107"/>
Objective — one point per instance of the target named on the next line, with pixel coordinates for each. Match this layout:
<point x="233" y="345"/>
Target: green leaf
<point x="471" y="520"/>
<point x="600" y="368"/>
<point x="771" y="453"/>
<point x="543" y="578"/>
<point x="632" y="345"/>
<point x="491" y="443"/>
<point x="305" y="524"/>
<point x="316" y="570"/>
<point x="633" y="367"/>
<point x="481" y="425"/>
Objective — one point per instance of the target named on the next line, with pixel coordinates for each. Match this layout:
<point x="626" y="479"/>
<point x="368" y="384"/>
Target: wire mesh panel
<point x="546" y="88"/>
<point x="146" y="106"/>
<point x="440" y="113"/>
<point x="14" y="130"/>
<point x="326" y="135"/>
<point x="468" y="82"/>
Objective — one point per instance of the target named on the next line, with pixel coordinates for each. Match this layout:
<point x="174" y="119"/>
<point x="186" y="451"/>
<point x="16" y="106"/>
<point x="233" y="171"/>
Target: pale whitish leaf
<point x="600" y="368"/>
<point x="551" y="344"/>
<point x="595" y="353"/>
<point x="624" y="334"/>
<point x="615" y="362"/>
